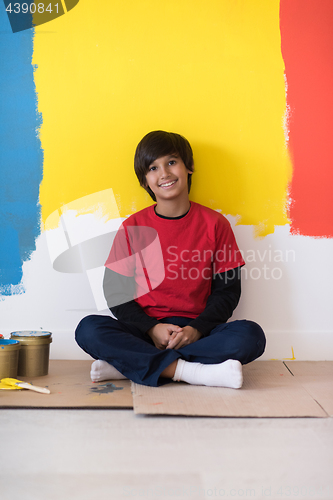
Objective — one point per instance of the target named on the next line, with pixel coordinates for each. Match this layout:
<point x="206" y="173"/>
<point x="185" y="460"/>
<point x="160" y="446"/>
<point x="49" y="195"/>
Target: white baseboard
<point x="64" y="346"/>
<point x="298" y="346"/>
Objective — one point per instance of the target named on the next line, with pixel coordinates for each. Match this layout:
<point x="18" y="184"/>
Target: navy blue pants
<point x="135" y="355"/>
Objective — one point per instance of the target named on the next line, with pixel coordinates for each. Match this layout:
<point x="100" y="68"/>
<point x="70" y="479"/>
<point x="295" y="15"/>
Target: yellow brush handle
<point x="35" y="388"/>
<point x="25" y="385"/>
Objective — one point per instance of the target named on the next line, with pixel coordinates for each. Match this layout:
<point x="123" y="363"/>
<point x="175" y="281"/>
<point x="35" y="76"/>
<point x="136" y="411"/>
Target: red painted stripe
<point x="307" y="49"/>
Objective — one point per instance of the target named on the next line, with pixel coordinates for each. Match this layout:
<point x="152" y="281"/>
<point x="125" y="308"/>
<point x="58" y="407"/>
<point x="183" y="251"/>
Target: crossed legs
<point x="124" y="352"/>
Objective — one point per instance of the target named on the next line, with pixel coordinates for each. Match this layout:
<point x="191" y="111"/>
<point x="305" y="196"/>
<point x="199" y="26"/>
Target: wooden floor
<point x="113" y="454"/>
<point x="97" y="450"/>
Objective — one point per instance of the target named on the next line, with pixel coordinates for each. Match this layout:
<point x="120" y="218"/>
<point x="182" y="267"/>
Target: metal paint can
<point x="34" y="354"/>
<point x="9" y="355"/>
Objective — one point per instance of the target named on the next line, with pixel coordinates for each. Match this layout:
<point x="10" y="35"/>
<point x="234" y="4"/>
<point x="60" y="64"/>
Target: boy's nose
<point x="164" y="172"/>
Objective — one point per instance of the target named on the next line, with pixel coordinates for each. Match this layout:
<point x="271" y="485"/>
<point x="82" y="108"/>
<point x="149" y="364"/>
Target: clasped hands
<point x="168" y="336"/>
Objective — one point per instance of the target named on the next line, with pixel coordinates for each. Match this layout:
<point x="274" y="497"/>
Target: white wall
<point x="287" y="289"/>
<point x="294" y="310"/>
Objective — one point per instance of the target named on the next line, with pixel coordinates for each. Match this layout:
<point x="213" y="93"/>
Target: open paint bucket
<point x="9" y="355"/>
<point x="34" y="354"/>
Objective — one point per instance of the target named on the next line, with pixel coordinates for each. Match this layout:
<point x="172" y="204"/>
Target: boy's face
<point x="167" y="177"/>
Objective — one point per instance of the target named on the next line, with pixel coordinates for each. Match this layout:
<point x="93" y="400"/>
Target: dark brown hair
<point x="157" y="144"/>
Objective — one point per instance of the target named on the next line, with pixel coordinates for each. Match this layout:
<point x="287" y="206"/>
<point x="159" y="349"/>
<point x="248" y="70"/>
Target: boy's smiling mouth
<point x="167" y="184"/>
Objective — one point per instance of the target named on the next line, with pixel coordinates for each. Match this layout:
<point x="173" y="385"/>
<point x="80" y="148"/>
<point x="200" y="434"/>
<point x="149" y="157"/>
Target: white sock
<point x="226" y="374"/>
<point x="102" y="370"/>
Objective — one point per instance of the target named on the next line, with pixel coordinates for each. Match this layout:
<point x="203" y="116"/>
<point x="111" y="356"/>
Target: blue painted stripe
<point x="21" y="156"/>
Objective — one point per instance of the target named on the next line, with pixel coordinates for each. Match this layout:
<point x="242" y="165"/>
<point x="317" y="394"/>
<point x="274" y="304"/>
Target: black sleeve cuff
<point x="132" y="314"/>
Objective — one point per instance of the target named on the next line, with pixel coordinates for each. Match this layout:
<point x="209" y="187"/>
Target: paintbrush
<point x="24" y="385"/>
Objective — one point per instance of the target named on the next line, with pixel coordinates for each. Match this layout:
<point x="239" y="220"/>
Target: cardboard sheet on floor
<point x="71" y="387"/>
<point x="317" y="379"/>
<point x="269" y="390"/>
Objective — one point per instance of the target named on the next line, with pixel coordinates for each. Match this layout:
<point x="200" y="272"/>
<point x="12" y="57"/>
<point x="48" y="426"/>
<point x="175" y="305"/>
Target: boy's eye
<point x="172" y="162"/>
<point x="152" y="168"/>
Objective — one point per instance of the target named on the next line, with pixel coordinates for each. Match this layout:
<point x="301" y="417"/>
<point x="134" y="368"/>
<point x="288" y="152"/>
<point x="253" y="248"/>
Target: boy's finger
<point x="177" y="344"/>
<point x="171" y="343"/>
<point x="176" y="328"/>
<point x="174" y="340"/>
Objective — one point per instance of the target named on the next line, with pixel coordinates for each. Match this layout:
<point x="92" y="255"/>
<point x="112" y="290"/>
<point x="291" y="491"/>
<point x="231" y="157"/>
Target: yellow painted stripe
<point x="64" y="5"/>
<point x="211" y="71"/>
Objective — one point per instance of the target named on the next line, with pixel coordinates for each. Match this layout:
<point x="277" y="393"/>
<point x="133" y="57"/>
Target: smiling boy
<point x="172" y="280"/>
